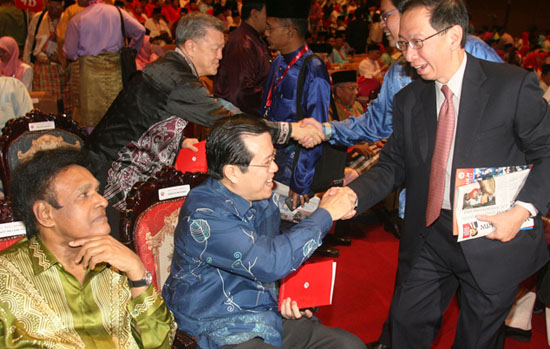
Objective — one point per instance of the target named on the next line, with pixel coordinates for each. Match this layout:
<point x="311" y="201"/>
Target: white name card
<point x="174" y="192"/>
<point x="42" y="125"/>
<point x="12" y="229"/>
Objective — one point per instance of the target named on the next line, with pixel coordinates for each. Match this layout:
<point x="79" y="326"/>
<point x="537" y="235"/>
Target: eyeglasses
<point x="270" y="161"/>
<point x="416" y="44"/>
<point x="385" y="15"/>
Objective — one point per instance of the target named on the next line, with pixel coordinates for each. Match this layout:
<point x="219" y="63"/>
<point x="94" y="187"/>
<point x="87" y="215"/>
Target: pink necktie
<point x="443" y="140"/>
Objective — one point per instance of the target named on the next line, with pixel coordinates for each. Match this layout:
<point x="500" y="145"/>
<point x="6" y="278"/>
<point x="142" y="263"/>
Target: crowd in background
<point x="350" y="27"/>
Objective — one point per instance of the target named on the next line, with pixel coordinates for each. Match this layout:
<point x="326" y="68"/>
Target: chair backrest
<point x="11" y="231"/>
<point x="24" y="136"/>
<point x="149" y="222"/>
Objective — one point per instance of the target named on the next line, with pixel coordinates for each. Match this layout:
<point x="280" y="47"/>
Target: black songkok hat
<point x="344" y="76"/>
<point x="288" y="8"/>
<point x="321" y="48"/>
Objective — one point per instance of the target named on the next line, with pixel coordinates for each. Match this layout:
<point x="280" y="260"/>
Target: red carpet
<point x="365" y="276"/>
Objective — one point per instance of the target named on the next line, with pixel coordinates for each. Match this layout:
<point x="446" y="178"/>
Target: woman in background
<point x="11" y="65"/>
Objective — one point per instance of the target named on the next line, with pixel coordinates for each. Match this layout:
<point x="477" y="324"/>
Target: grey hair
<point x="193" y="26"/>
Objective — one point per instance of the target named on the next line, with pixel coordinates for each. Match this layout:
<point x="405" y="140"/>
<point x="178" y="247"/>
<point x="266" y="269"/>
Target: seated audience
<point x="339" y="52"/>
<point x="157" y="26"/>
<point x="229" y="252"/>
<point x="138" y="13"/>
<point x="11" y="65"/>
<point x="171" y="11"/>
<point x="69" y="283"/>
<point x="369" y="67"/>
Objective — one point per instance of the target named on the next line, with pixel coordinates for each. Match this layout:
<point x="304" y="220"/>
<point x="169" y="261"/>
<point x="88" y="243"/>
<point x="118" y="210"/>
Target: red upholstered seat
<point x="149" y="222"/>
<point x="154" y="237"/>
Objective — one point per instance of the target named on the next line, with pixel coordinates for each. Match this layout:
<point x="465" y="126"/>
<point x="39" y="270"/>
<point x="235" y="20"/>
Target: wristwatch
<point x="146" y="281"/>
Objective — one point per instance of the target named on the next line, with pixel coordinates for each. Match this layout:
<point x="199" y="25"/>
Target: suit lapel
<point x="427" y="110"/>
<point x="473" y="101"/>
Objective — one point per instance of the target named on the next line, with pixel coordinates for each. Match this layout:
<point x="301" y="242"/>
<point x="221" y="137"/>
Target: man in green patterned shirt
<point x="69" y="284"/>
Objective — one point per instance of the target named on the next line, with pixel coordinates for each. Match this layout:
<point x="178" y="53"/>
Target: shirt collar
<point x="188" y="60"/>
<point x="288" y="56"/>
<point x="43" y="259"/>
<point x="455" y="83"/>
<point x="242" y="206"/>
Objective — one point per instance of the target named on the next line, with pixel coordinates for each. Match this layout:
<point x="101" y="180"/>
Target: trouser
<point x="307" y="333"/>
<point x="439" y="272"/>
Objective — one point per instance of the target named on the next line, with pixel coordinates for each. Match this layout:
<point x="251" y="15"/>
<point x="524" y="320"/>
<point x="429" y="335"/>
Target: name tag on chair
<point x="174" y="192"/>
<point x="12" y="229"/>
<point x="41" y="126"/>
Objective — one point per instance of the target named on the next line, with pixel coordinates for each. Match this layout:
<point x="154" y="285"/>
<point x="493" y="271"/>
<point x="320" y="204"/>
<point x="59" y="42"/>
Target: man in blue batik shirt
<point x="229" y="253"/>
<point x="286" y="31"/>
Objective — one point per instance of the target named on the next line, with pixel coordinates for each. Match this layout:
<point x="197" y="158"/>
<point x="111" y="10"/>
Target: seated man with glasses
<point x="230" y="254"/>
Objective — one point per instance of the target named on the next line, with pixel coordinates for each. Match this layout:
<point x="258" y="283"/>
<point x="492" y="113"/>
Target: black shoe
<point x="334" y="239"/>
<point x="377" y="345"/>
<point x="517" y="333"/>
<point x="327" y="251"/>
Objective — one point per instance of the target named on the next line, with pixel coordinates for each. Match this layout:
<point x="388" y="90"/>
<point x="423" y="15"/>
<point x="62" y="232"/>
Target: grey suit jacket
<point x="502" y="121"/>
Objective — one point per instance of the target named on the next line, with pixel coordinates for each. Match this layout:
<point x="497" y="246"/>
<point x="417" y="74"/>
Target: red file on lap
<point x="312" y="285"/>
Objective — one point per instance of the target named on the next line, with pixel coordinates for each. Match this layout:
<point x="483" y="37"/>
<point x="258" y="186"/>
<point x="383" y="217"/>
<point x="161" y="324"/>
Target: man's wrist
<point x="138" y="273"/>
<point x="529" y="207"/>
<point x="327" y="130"/>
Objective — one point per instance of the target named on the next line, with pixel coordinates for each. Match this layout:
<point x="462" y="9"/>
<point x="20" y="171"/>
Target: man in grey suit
<point x="492" y="115"/>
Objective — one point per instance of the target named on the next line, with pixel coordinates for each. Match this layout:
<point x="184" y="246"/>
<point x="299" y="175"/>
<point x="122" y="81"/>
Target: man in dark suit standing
<point x="463" y="113"/>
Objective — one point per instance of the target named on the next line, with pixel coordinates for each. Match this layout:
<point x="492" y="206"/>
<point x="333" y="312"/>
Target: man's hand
<point x="105" y="249"/>
<point x="308" y="132"/>
<point x="507" y="224"/>
<point x="365" y="150"/>
<point x="339" y="202"/>
<point x="290" y="310"/>
<point x="297" y="199"/>
<point x="188" y="143"/>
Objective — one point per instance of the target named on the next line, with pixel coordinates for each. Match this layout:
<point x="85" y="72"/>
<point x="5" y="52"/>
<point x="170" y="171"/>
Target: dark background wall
<point x="517" y="15"/>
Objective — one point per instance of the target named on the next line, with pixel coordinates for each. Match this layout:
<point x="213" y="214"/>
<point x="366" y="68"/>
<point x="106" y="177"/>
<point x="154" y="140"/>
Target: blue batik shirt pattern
<point x="228" y="258"/>
<point x="315" y="103"/>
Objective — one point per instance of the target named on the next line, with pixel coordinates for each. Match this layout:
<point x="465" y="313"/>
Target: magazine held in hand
<point x="486" y="191"/>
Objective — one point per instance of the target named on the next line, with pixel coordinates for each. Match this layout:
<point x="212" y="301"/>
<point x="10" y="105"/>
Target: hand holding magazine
<point x="485" y="191"/>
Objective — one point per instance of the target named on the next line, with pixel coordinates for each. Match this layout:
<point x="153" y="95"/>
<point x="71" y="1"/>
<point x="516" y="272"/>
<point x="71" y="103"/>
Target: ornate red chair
<point x="11" y="231"/>
<point x="148" y="224"/>
<point x="22" y="137"/>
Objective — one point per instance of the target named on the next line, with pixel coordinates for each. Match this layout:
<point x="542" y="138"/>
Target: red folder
<point x="312" y="285"/>
<point x="190" y="161"/>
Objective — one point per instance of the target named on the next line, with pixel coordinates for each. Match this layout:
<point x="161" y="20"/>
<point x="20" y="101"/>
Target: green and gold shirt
<point x="42" y="305"/>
